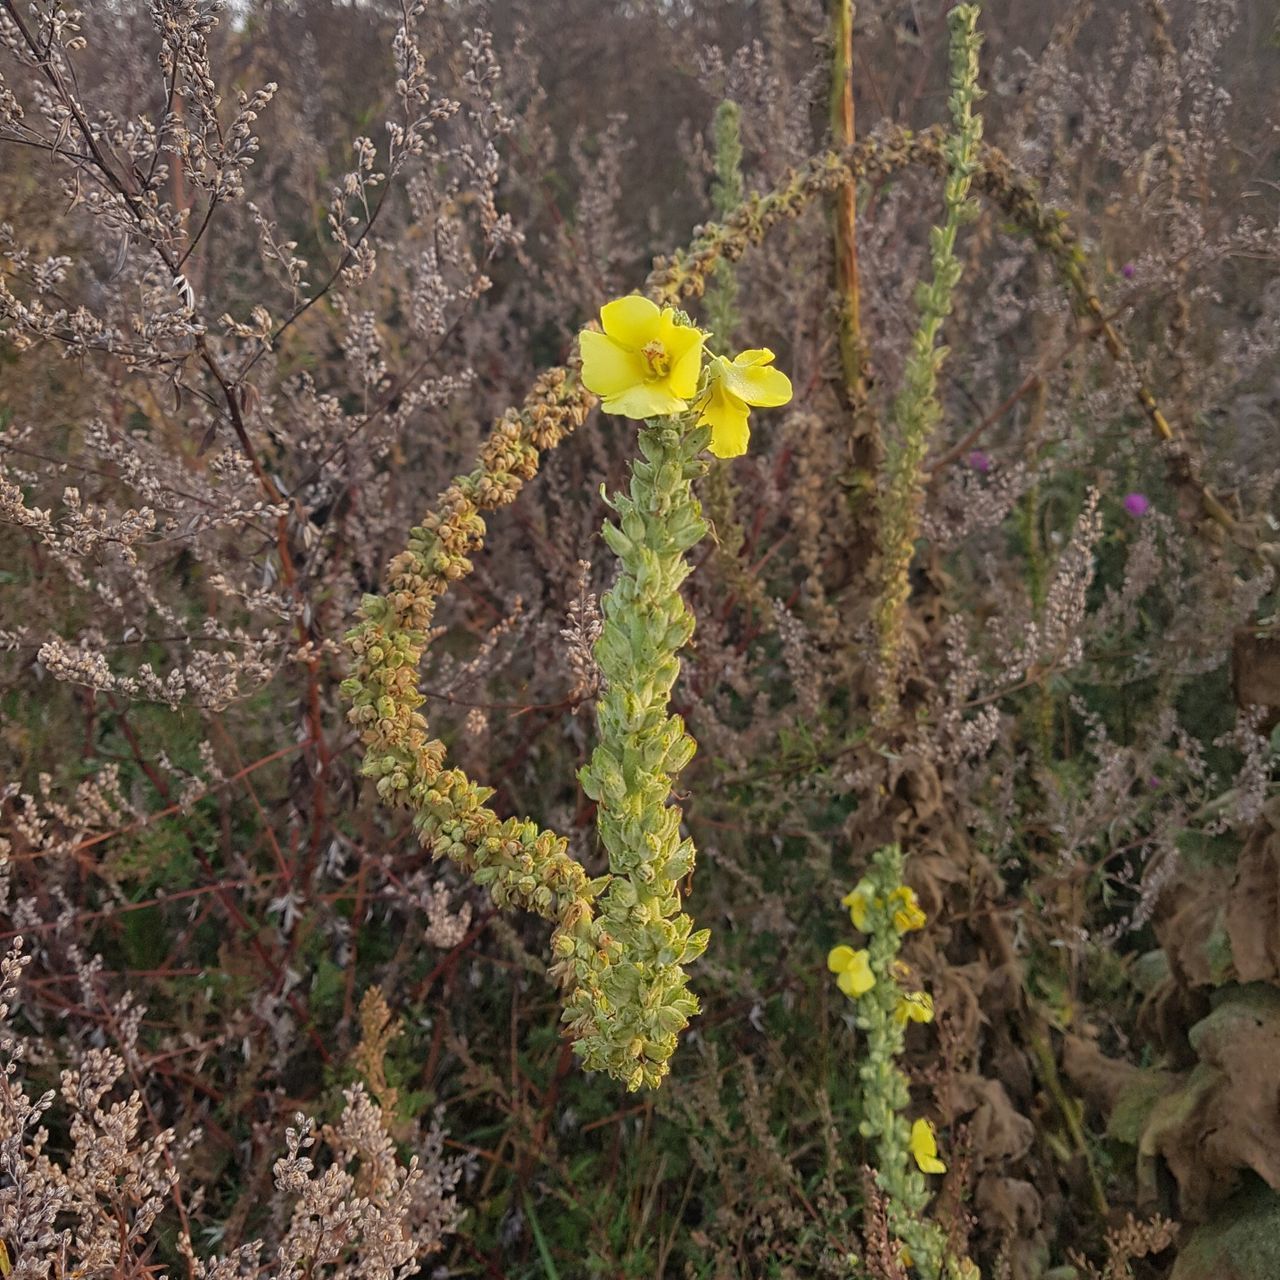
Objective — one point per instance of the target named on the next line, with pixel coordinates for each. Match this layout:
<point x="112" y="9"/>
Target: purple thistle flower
<point x="1128" y="271"/>
<point x="979" y="461"/>
<point x="1137" y="504"/>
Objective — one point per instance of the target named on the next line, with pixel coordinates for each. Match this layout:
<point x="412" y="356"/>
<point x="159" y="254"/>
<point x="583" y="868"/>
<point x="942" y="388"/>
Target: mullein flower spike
<point x="647" y="364"/>
<point x="903" y="1151"/>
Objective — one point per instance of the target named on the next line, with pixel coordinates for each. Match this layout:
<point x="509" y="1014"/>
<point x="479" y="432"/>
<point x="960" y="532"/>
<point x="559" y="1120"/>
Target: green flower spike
<point x="641" y="749"/>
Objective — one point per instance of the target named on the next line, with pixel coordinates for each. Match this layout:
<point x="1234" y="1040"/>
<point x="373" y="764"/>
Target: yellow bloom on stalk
<point x="733" y="387"/>
<point x="905" y="906"/>
<point x="853" y="971"/>
<point x="646" y="363"/>
<point x="924" y="1146"/>
<point x="915" y="1006"/>
<point x="858" y="900"/>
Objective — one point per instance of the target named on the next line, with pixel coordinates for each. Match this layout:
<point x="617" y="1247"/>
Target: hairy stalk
<point x="726" y="196"/>
<point x="916" y="412"/>
<point x="721" y="305"/>
<point x="641" y="749"/>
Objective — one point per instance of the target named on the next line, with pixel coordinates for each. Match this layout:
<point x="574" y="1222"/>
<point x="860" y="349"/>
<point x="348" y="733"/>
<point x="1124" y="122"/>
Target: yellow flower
<point x="924" y="1146"/>
<point x="732" y="388"/>
<point x="646" y="363"/>
<point x="914" y="1006"/>
<point x="858" y="900"/>
<point x="905" y="906"/>
<point x="853" y="971"/>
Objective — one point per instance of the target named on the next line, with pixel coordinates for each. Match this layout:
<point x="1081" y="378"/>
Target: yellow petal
<point x="755" y="356"/>
<point x="729" y="439"/>
<point x="924" y="1147"/>
<point x="856" y="978"/>
<point x="728" y="418"/>
<point x="632" y="320"/>
<point x="645" y="400"/>
<point x="672" y="333"/>
<point x="858" y="900"/>
<point x="839" y="959"/>
<point x="608" y="369"/>
<point x="915" y="1006"/>
<point x="907" y="914"/>
<point x="758" y="384"/>
<point x="684" y="346"/>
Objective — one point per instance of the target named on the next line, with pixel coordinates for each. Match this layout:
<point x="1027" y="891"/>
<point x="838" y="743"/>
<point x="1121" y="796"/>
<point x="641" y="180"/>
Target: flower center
<point x="656" y="358"/>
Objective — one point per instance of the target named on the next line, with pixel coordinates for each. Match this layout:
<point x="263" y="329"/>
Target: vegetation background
<point x="267" y="277"/>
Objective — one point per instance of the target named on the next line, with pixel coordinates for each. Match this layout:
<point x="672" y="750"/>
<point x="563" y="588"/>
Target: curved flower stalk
<point x="885" y="909"/>
<point x="522" y="865"/>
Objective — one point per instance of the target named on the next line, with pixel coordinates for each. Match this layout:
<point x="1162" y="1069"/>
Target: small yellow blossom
<point x="924" y="1146"/>
<point x="914" y="1006"/>
<point x="734" y="386"/>
<point x="853" y="971"/>
<point x="646" y="363"/>
<point x="905" y="906"/>
<point x="858" y="900"/>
